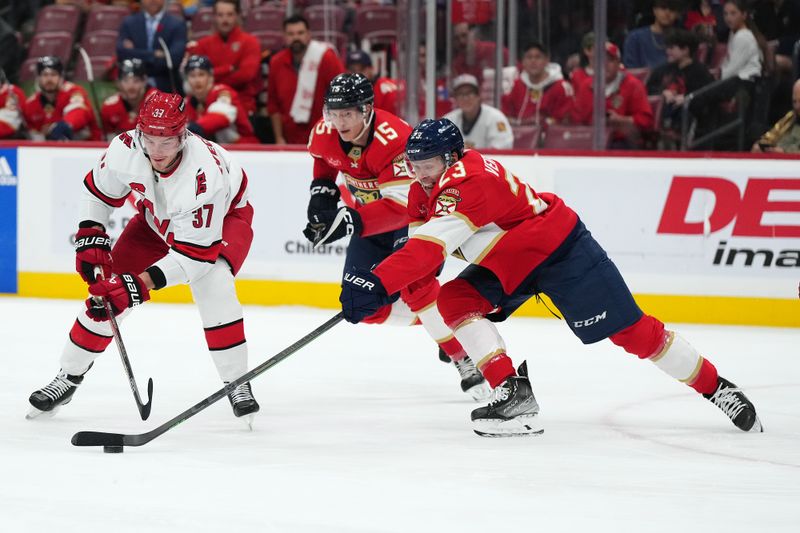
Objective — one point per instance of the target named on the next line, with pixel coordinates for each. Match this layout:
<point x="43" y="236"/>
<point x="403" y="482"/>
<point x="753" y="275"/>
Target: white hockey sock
<point x="400" y="315"/>
<point x="480" y="339"/>
<point x="678" y="358"/>
<point x="434" y="324"/>
<point x="231" y="363"/>
<point x="76" y="360"/>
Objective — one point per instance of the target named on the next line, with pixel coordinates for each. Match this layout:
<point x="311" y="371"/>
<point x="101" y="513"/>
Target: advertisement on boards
<point x="8" y="220"/>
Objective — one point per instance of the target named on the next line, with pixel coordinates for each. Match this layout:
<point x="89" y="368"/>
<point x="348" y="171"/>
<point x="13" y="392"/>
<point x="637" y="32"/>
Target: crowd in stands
<point x="251" y="72"/>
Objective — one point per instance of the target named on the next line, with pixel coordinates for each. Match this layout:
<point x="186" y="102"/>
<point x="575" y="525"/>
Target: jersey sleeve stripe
<point x="465" y="219"/>
<point x="206" y="254"/>
<point x="396" y="183"/>
<point x="92" y="187"/>
<point x="240" y="192"/>
<point x="433" y="240"/>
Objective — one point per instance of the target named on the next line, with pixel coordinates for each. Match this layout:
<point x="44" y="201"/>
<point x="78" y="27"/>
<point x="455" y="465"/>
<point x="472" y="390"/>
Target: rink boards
<point x="698" y="239"/>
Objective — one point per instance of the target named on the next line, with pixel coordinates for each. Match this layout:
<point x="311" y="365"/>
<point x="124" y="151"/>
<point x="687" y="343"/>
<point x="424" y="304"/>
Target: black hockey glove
<point x="362" y="295"/>
<point x="324" y="197"/>
<point x="328" y="226"/>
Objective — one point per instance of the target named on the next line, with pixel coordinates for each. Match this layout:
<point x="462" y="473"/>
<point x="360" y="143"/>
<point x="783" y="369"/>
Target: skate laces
<point x="58" y="387"/>
<point x="241" y="393"/>
<point x="728" y="400"/>
<point x="500" y="394"/>
<point x="466" y="367"/>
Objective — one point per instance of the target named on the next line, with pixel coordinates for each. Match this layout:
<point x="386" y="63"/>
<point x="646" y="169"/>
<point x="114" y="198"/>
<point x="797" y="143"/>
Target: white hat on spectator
<point x="465" y="79"/>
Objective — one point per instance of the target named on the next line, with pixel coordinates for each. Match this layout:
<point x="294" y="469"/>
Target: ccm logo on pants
<point x="590" y="321"/>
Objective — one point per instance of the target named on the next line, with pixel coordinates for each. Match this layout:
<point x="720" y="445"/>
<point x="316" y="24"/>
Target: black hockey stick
<point x="99" y="438"/>
<point x="144" y="408"/>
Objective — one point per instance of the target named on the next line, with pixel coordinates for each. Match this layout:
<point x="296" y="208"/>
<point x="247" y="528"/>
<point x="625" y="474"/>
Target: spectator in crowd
<point x="298" y="78"/>
<point x="120" y="111"/>
<point x="235" y="54"/>
<point x="59" y="110"/>
<point x="540" y="94"/>
<point x="702" y="19"/>
<point x="12" y="99"/>
<point x="644" y="47"/>
<point x="213" y="109"/>
<point x="359" y="62"/>
<point x="746" y="47"/>
<point x="627" y="110"/>
<point x="784" y="137"/>
<point x="10" y="50"/>
<point x="678" y="77"/>
<point x="443" y="103"/>
<point x="580" y="74"/>
<point x="471" y="55"/>
<point x="158" y="39"/>
<point x="481" y="125"/>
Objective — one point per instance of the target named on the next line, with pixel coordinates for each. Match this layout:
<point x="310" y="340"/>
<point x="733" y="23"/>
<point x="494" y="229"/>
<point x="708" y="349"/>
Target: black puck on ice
<point x="112" y="449"/>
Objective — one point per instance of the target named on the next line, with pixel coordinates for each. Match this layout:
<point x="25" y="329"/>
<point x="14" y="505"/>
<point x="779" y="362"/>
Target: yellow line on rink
<point x="669" y="308"/>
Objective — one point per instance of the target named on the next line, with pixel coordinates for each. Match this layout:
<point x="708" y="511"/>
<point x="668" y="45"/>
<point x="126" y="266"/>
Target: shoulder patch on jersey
<point x="399" y="167"/>
<point x="446" y="202"/>
<point x="111" y="100"/>
<point x="501" y="126"/>
<point x="200" y="183"/>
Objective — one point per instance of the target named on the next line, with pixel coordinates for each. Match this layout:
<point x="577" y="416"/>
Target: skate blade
<point x="520" y="426"/>
<point x="480" y="392"/>
<point x="248" y="420"/>
<point x="757" y="427"/>
<point x="35" y="413"/>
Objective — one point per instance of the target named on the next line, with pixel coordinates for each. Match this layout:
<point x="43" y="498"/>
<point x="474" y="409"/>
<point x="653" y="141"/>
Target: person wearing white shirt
<point x="744" y="58"/>
<point x="481" y="125"/>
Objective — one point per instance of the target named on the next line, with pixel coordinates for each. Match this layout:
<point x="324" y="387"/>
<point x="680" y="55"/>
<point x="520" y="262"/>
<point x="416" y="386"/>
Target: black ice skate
<point x="443" y="357"/>
<point x="732" y="401"/>
<point x="48" y="400"/>
<point x="244" y="404"/>
<point x="472" y="381"/>
<point x="512" y="412"/>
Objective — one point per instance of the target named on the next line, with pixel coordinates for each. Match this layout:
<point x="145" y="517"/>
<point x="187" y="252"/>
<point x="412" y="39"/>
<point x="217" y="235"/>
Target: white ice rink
<point x="366" y="431"/>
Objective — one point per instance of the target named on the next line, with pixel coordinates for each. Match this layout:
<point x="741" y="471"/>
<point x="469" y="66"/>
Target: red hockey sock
<point x="497" y="369"/>
<point x="706" y="381"/>
<point x="453" y="349"/>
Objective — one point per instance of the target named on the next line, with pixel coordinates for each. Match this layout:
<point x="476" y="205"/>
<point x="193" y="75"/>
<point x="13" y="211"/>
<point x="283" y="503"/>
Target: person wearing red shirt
<point x="120" y="111"/>
<point x="359" y="62"/>
<point x="235" y="54"/>
<point x="580" y="74"/>
<point x="519" y="243"/>
<point x="11" y="101"/>
<point x="298" y="78"/>
<point x="628" y="111"/>
<point x="213" y="109"/>
<point x="471" y="55"/>
<point x="59" y="110"/>
<point x="540" y="94"/>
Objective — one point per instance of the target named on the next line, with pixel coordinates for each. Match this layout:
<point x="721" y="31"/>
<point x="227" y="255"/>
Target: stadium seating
<point x="58" y="43"/>
<point x="265" y="18"/>
<point x="202" y="23"/>
<point x="371" y="18"/>
<point x="270" y="40"/>
<point x="105" y="18"/>
<point x="325" y="18"/>
<point x="101" y="66"/>
<point x="570" y="137"/>
<point x="526" y="137"/>
<point x="99" y="43"/>
<point x="58" y="18"/>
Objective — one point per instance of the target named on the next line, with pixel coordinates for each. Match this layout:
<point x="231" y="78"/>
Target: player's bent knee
<point x="643" y="339"/>
<point x="380" y="316"/>
<point x="459" y="301"/>
<point x="421" y="294"/>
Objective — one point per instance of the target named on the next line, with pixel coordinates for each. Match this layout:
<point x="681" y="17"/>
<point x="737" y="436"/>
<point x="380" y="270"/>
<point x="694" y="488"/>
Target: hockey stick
<point x="168" y="59"/>
<point x="144" y="409"/>
<point x="99" y="438"/>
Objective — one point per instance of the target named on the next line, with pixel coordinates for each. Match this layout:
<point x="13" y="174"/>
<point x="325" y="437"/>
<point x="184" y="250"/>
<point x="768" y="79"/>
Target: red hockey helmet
<point x="162" y="115"/>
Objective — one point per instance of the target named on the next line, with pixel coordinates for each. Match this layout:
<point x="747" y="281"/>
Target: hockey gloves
<point x="362" y="295"/>
<point x="122" y="292"/>
<point x="329" y="226"/>
<point x="60" y="131"/>
<point x="92" y="248"/>
<point x="324" y="197"/>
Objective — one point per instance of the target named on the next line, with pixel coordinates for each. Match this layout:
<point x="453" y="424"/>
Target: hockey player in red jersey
<point x="120" y="111"/>
<point x="214" y="109"/>
<point x="366" y="145"/>
<point x="193" y="227"/>
<point x="519" y="243"/>
<point x="59" y="110"/>
<point x="11" y="101"/>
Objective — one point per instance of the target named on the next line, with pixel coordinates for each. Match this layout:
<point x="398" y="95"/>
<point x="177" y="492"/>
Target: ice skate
<point x="443" y="357"/>
<point x="732" y="401"/>
<point x="472" y="381"/>
<point x="512" y="412"/>
<point x="244" y="404"/>
<point x="49" y="399"/>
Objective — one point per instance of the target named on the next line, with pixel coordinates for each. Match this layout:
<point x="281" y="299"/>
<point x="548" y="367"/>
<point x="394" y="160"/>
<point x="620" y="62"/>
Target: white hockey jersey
<point x="491" y="130"/>
<point x="185" y="207"/>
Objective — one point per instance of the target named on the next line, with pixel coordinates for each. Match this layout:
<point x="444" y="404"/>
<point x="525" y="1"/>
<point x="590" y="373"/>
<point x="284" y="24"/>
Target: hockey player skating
<point x="520" y="243"/>
<point x="366" y="145"/>
<point x="193" y="227"/>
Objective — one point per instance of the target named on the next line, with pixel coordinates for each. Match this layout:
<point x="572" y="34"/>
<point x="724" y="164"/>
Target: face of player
<point x="225" y="18"/>
<point x="162" y="151"/>
<point x="132" y="88"/>
<point x="467" y="99"/>
<point x="200" y="82"/>
<point x="534" y="62"/>
<point x="297" y="37"/>
<point x="348" y="122"/>
<point x="427" y="171"/>
<point x="734" y="17"/>
<point x="49" y="80"/>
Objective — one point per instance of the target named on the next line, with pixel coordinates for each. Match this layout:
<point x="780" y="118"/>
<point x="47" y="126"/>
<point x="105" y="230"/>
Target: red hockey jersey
<point x="118" y="115"/>
<point x="479" y="211"/>
<point x="551" y="102"/>
<point x="221" y="116"/>
<point x="71" y="106"/>
<point x="12" y="100"/>
<point x="375" y="174"/>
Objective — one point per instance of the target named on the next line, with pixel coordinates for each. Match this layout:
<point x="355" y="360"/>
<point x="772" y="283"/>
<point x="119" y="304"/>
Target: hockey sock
<point x="483" y="344"/>
<point x="682" y="361"/>
<point x="434" y="324"/>
<point x="228" y="349"/>
<point x="87" y="340"/>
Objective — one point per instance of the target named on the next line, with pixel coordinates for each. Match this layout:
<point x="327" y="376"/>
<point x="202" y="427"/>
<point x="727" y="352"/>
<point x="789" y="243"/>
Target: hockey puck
<point x="113" y="449"/>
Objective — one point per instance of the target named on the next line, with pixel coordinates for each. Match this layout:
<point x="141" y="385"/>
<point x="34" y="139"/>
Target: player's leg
<point x="221" y="312"/>
<point x="137" y="248"/>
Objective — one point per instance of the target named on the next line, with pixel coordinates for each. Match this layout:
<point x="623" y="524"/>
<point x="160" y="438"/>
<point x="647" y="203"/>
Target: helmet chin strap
<point x="365" y="121"/>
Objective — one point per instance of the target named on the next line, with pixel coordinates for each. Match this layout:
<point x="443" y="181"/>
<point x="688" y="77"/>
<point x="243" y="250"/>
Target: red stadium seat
<point x="27" y="72"/>
<point x="105" y="18"/>
<point x="55" y="18"/>
<point x="202" y="23"/>
<point x="325" y="18"/>
<point x="57" y="44"/>
<point x="265" y="18"/>
<point x="339" y="40"/>
<point x="375" y="18"/>
<point x="570" y="137"/>
<point x="176" y="10"/>
<point x="526" y="137"/>
<point x="101" y="66"/>
<point x="270" y="40"/>
<point x="387" y="38"/>
<point x="99" y="43"/>
<point x="656" y="102"/>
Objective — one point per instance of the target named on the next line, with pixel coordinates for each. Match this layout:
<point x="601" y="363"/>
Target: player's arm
<point x="390" y="212"/>
<point x="247" y="69"/>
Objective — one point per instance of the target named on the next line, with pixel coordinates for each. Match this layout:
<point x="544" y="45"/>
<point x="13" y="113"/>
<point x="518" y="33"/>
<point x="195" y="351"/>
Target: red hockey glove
<point x="123" y="291"/>
<point x="92" y="248"/>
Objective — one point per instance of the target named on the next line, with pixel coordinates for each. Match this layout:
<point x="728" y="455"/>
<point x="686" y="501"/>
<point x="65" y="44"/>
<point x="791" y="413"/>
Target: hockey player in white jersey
<point x="193" y="227"/>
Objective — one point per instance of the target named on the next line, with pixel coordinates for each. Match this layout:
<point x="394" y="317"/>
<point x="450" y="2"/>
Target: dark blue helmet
<point x="198" y="62"/>
<point x="431" y="138"/>
<point x="132" y="67"/>
<point x="349" y="90"/>
<point x="52" y="62"/>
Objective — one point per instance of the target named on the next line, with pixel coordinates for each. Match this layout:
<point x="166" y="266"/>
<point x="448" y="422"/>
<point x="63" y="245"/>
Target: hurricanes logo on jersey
<point x="200" y="183"/>
<point x="446" y="202"/>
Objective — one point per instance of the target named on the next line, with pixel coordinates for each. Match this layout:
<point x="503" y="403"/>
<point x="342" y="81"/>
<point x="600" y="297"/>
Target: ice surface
<point x="366" y="431"/>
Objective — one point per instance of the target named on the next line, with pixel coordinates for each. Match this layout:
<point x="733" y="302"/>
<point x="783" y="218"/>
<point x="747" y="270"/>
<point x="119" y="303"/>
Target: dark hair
<point x="235" y="4"/>
<point x="672" y="5"/>
<point x="744" y="7"/>
<point x="295" y="19"/>
<point x="534" y="45"/>
<point x="682" y="39"/>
